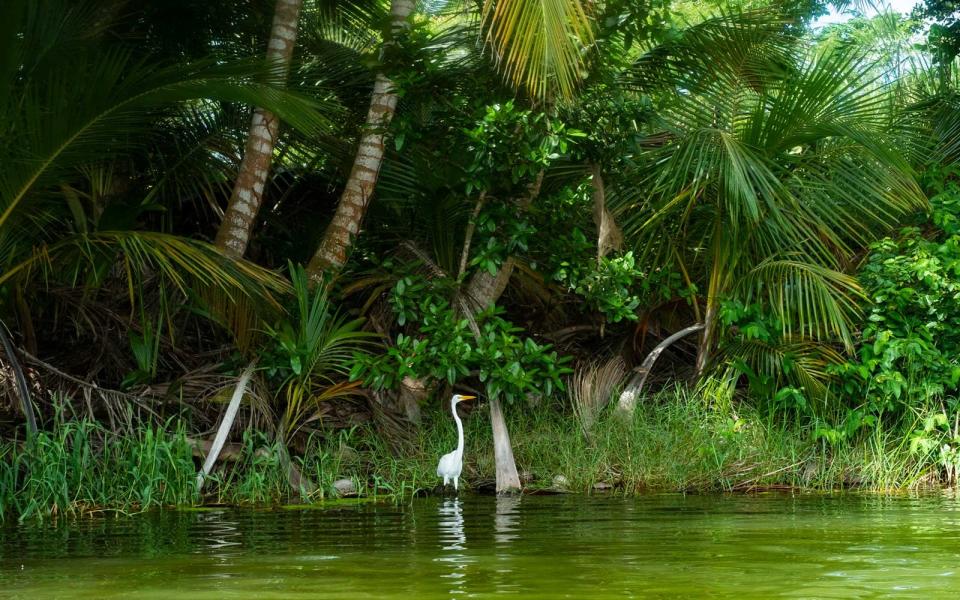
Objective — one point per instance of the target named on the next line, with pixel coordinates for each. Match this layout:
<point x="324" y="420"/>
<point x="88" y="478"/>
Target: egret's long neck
<point x="453" y="409"/>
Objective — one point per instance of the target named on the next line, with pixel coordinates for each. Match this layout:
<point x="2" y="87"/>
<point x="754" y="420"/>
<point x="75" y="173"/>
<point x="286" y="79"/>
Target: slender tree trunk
<point x="628" y="399"/>
<point x="468" y="237"/>
<point x="609" y="236"/>
<point x="722" y="263"/>
<point x="233" y="236"/>
<point x="345" y="225"/>
<point x="706" y="340"/>
<point x="508" y="481"/>
<point x="224" y="430"/>
<point x="483" y="291"/>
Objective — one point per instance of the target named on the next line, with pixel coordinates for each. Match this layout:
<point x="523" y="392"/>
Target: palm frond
<point x="810" y="300"/>
<point x="189" y="266"/>
<point x="792" y="361"/>
<point x="539" y="44"/>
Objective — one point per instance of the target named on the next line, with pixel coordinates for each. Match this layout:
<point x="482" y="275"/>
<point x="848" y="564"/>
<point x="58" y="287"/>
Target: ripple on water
<point x="548" y="547"/>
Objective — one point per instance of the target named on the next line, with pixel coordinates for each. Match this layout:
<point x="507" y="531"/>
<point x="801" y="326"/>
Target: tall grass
<point x="80" y="467"/>
<point x="676" y="441"/>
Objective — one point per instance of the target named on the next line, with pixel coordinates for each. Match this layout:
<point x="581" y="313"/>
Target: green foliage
<point x="786" y="375"/>
<point x="614" y="121"/>
<point x="513" y="145"/>
<point x="757" y="160"/>
<point x="448" y="346"/>
<point x="310" y="351"/>
<point x="606" y="285"/>
<point x="613" y="286"/>
<point x="908" y="355"/>
<point x="79" y="466"/>
<point x="500" y="233"/>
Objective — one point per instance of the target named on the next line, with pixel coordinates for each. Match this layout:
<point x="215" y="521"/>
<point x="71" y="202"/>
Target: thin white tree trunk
<point x="483" y="291"/>
<point x="343" y="228"/>
<point x="233" y="236"/>
<point x="508" y="481"/>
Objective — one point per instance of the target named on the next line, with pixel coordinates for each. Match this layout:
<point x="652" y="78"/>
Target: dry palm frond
<point x="591" y="388"/>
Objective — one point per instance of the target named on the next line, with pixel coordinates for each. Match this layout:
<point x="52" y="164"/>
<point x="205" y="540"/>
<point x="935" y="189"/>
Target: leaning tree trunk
<point x="483" y="291"/>
<point x="233" y="236"/>
<point x="335" y="246"/>
<point x="225" y="425"/>
<point x="628" y="398"/>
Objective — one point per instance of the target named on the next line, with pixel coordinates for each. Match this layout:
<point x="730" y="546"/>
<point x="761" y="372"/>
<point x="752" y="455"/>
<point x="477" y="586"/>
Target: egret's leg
<point x="446" y="480"/>
<point x="455" y="483"/>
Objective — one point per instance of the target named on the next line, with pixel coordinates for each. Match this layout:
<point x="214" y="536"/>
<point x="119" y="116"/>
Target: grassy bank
<point x="676" y="442"/>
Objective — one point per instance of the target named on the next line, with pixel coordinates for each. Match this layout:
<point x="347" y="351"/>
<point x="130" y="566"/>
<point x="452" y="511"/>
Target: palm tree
<point x="774" y="176"/>
<point x="336" y="242"/>
<point x="79" y="121"/>
<point x="538" y="44"/>
<point x="233" y="235"/>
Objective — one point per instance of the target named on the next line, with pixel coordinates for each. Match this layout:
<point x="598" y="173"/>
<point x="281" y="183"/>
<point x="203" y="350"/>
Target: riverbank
<point x="680" y="444"/>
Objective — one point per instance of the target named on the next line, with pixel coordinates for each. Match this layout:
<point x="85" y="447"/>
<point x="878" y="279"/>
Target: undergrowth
<point x="676" y="441"/>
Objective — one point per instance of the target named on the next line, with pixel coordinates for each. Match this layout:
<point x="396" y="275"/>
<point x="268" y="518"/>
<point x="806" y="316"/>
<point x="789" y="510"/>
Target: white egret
<point x="451" y="464"/>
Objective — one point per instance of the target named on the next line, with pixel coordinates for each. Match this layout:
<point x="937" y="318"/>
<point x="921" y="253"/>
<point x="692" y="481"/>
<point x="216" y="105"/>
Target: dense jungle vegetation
<point x="670" y="245"/>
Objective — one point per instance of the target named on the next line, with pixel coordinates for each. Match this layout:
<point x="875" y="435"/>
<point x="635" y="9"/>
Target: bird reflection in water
<point x="453" y="544"/>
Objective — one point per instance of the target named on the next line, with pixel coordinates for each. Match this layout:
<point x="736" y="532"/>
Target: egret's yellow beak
<point x="462" y="398"/>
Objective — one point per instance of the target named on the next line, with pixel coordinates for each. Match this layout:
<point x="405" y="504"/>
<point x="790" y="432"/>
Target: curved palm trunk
<point x="628" y="398"/>
<point x="233" y="236"/>
<point x="335" y="246"/>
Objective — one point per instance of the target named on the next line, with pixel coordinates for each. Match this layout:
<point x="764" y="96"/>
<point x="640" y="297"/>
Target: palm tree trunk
<point x="338" y="238"/>
<point x="706" y="340"/>
<point x="628" y="398"/>
<point x="722" y="263"/>
<point x="233" y="236"/>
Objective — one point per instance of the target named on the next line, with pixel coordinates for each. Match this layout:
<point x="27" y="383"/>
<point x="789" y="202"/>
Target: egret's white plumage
<point x="451" y="464"/>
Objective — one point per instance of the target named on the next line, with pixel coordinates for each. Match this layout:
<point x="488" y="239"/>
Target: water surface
<point x="478" y="547"/>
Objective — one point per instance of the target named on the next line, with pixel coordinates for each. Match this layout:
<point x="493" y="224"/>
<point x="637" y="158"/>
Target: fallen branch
<point x="225" y="425"/>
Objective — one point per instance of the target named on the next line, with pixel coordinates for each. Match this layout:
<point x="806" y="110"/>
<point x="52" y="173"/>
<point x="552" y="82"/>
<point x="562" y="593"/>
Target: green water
<point x="530" y="547"/>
